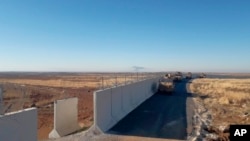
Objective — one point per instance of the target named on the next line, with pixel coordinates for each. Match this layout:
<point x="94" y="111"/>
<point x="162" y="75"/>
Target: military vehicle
<point x="168" y="76"/>
<point x="178" y="76"/>
<point x="202" y="75"/>
<point x="166" y="85"/>
<point x="189" y="75"/>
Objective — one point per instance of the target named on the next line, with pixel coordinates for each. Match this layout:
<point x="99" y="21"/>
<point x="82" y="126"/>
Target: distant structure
<point x="137" y="68"/>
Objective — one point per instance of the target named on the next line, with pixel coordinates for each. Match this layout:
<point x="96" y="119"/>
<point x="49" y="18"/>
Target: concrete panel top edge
<point x="107" y="88"/>
<point x="112" y="87"/>
<point x="67" y="99"/>
<point x="100" y="90"/>
<point x="122" y="85"/>
<point x="19" y="111"/>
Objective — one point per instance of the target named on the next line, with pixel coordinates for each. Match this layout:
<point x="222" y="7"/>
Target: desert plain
<point x="219" y="101"/>
<point x="24" y="90"/>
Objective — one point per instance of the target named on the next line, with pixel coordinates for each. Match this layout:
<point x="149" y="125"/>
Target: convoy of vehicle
<point x="167" y="82"/>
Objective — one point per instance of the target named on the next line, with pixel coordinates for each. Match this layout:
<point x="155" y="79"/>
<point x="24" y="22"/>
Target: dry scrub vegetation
<point x="24" y="91"/>
<point x="229" y="91"/>
<point x="227" y="102"/>
<point x="85" y="81"/>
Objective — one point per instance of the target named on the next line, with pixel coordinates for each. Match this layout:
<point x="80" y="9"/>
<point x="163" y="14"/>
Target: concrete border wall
<point x="19" y="126"/>
<point x="113" y="104"/>
<point x="65" y="117"/>
<point x="1" y="102"/>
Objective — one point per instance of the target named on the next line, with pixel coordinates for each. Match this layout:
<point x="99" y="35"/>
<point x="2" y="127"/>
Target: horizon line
<point x="121" y="72"/>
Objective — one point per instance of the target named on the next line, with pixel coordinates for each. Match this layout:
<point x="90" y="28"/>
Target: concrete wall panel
<point x="1" y="102"/>
<point x="147" y="89"/>
<point x="111" y="105"/>
<point x="19" y="126"/>
<point x="127" y="98"/>
<point x="65" y="117"/>
<point x="102" y="109"/>
<point x="139" y="92"/>
<point x="116" y="104"/>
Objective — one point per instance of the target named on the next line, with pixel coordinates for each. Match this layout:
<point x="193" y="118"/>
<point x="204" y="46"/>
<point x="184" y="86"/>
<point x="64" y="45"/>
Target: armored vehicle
<point x="202" y="75"/>
<point x="166" y="85"/>
<point x="189" y="75"/>
<point x="178" y="76"/>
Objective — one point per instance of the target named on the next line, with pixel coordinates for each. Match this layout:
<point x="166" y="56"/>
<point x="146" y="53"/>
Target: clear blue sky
<point x="115" y="35"/>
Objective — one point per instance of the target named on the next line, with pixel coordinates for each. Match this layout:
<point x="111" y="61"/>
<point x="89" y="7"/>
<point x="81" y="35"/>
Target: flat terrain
<point x="215" y="102"/>
<point x="23" y="90"/>
<point x="17" y="97"/>
<point x="225" y="102"/>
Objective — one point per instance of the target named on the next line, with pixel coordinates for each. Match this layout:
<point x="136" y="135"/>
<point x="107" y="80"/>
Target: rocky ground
<point x="219" y="103"/>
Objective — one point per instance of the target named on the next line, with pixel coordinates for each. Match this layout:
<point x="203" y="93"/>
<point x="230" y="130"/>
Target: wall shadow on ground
<point x="161" y="116"/>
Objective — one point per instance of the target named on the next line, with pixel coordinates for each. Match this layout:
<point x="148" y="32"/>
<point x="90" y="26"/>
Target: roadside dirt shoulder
<point x="219" y="103"/>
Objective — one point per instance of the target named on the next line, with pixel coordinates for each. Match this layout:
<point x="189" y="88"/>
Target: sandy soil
<point x="43" y="98"/>
<point x="220" y="102"/>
